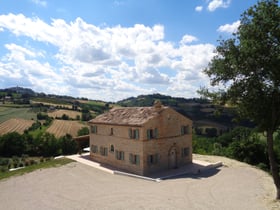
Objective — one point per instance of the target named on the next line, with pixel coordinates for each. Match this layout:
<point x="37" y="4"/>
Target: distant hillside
<point x="201" y="111"/>
<point x="204" y="114"/>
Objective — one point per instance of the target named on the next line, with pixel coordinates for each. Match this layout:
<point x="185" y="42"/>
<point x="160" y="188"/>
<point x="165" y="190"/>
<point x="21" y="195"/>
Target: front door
<point x="173" y="158"/>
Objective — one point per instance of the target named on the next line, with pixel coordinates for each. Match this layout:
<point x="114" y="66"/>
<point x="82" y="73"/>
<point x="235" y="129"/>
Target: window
<point x="134" y="159"/>
<point x="93" y="129"/>
<point x="119" y="155"/>
<point x="112" y="149"/>
<point x="185" y="129"/>
<point x="185" y="152"/>
<point x="153" y="159"/>
<point x="103" y="151"/>
<point x="152" y="133"/>
<point x="94" y="149"/>
<point x="112" y="131"/>
<point x="133" y="133"/>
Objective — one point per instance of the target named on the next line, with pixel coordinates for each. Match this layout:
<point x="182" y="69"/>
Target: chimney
<point x="157" y="105"/>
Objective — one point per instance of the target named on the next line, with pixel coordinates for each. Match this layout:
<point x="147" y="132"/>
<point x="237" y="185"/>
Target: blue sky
<point x="113" y="49"/>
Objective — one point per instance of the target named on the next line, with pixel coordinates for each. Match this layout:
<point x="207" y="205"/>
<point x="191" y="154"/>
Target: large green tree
<point x="247" y="67"/>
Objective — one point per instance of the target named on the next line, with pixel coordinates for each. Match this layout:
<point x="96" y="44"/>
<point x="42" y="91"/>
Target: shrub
<point x="26" y="163"/>
<point x="3" y="169"/>
<point x="33" y="162"/>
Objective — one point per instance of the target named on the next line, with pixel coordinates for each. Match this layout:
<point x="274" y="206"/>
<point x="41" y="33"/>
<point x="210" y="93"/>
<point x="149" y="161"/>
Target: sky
<point x="113" y="49"/>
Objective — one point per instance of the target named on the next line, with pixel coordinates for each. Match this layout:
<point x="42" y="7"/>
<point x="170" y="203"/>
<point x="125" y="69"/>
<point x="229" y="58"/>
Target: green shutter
<point x="156" y="132"/>
<point x="137" y="134"/>
<point x="182" y="130"/>
<point x="122" y="155"/>
<point x="187" y="151"/>
<point x="130" y="133"/>
<point x="148" y="160"/>
<point x="131" y="158"/>
<point x="148" y="134"/>
<point x="137" y="159"/>
<point x="117" y="154"/>
<point x="156" y="158"/>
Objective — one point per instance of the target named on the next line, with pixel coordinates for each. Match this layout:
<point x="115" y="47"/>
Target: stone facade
<point x="141" y="140"/>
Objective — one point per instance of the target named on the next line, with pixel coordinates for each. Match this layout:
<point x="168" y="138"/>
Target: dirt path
<point x="77" y="186"/>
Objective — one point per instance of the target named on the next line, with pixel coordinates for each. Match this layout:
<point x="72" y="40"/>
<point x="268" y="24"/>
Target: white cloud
<point x="199" y="8"/>
<point x="40" y="2"/>
<point x="188" y="39"/>
<point x="215" y="4"/>
<point x="107" y="63"/>
<point x="229" y="28"/>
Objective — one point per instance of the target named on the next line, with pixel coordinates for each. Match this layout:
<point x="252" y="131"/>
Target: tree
<point x="68" y="145"/>
<point x="83" y="131"/>
<point x="12" y="144"/>
<point x="248" y="65"/>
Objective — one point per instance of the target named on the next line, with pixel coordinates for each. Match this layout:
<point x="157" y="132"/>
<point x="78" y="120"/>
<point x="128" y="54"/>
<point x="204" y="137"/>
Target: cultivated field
<point x="59" y="113"/>
<point x="52" y="104"/>
<point x="62" y="127"/>
<point x="7" y="113"/>
<point x="15" y="125"/>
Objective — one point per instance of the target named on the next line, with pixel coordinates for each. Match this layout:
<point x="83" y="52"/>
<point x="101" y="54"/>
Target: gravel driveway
<point x="78" y="186"/>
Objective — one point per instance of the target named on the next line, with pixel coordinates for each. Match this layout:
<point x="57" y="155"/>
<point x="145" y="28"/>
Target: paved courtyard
<point x="79" y="186"/>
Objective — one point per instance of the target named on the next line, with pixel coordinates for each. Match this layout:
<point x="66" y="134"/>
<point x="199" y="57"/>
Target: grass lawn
<point x="28" y="169"/>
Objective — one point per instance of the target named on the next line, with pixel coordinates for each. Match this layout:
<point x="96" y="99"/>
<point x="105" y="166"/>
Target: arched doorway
<point x="172" y="157"/>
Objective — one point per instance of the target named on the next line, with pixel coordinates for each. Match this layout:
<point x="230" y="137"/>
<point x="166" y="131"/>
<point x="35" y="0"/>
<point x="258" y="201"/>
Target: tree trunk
<point x="273" y="165"/>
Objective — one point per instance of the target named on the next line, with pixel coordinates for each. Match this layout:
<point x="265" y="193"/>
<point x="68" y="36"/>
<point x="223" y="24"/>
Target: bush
<point x="263" y="166"/>
<point x="26" y="162"/>
<point x="24" y="157"/>
<point x="3" y="169"/>
<point x="33" y="162"/>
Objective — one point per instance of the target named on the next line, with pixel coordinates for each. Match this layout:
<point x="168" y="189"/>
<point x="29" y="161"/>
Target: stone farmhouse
<point x="141" y="140"/>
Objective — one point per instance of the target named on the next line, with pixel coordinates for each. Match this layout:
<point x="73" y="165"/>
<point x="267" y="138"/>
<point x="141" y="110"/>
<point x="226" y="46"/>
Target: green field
<point x="28" y="169"/>
<point x="11" y="112"/>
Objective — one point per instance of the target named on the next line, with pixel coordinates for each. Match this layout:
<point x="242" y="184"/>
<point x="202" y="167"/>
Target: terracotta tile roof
<point x="128" y="115"/>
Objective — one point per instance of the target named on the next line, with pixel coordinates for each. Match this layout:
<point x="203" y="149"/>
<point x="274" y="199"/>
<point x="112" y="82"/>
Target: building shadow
<point x="194" y="170"/>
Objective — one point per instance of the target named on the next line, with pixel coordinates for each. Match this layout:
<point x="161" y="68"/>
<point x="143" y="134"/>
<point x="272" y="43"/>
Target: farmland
<point x="62" y="127"/>
<point x="7" y="113"/>
<point x="15" y="125"/>
<point x="51" y="103"/>
<point x="61" y="112"/>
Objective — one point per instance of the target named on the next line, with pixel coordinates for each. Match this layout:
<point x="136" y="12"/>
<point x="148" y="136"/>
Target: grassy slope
<point x="28" y="169"/>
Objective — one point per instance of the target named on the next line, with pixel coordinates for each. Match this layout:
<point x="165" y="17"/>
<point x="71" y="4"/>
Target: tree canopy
<point x="248" y="65"/>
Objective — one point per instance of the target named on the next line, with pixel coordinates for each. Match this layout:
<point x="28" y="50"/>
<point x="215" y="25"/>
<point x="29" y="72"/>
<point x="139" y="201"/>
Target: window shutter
<point x="117" y="154"/>
<point x="182" y="130"/>
<point x="187" y="151"/>
<point x="137" y="159"/>
<point x="130" y="133"/>
<point x="156" y="133"/>
<point x="148" y="160"/>
<point x="148" y="134"/>
<point x="137" y="134"/>
<point x="182" y="152"/>
<point x="156" y="158"/>
<point x="131" y="158"/>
